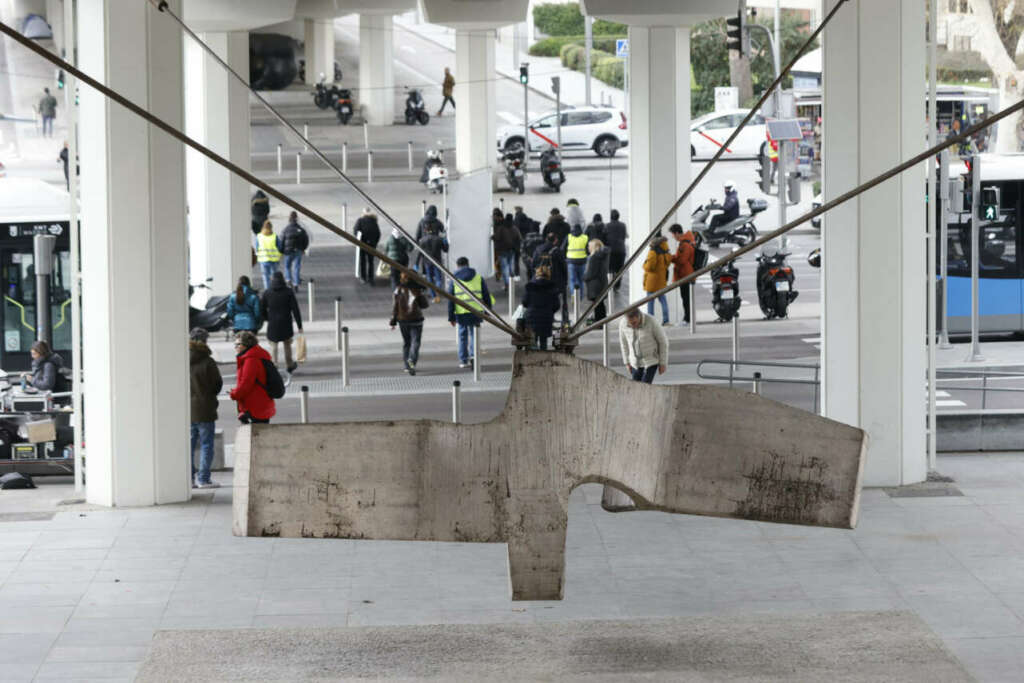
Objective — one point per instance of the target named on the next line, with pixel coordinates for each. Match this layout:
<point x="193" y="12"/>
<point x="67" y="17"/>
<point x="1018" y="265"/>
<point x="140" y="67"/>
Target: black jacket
<point x="367" y="229"/>
<point x="46" y="373"/>
<point x="279" y="307"/>
<point x="205" y="382"/>
<point x="429" y="220"/>
<point x="595" y="275"/>
<point x="557" y="225"/>
<point x="524" y="224"/>
<point x="531" y="241"/>
<point x="731" y="205"/>
<point x="559" y="270"/>
<point x="294" y="239"/>
<point x="615" y="236"/>
<point x="435" y="245"/>
<point x="540" y="303"/>
<point x="506" y="238"/>
<point x="595" y="231"/>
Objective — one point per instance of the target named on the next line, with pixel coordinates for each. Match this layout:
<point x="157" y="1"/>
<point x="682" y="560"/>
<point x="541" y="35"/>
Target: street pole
<point x="556" y="85"/>
<point x="76" y="312"/>
<point x="526" y="125"/>
<point x="588" y="45"/>
<point x="780" y="176"/>
<point x="944" y="245"/>
<point x="932" y="202"/>
<point x="975" y="354"/>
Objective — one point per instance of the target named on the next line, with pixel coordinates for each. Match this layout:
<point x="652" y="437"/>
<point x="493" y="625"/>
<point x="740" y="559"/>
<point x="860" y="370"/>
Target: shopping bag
<point x="519" y="312"/>
<point x="300" y="349"/>
<point x="383" y="270"/>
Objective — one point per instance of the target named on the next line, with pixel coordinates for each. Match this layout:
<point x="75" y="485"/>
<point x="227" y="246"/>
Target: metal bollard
<point x="604" y="329"/>
<point x="305" y="137"/>
<point x="369" y="167"/>
<point x="409" y="149"/>
<point x="344" y="215"/>
<point x="456" y="401"/>
<point x="501" y="205"/>
<point x="423" y="207"/>
<point x="366" y="135"/>
<point x="304" y="405"/>
<point x="344" y="157"/>
<point x="298" y="168"/>
<point x="575" y="305"/>
<point x="476" y="353"/>
<point x="604" y="345"/>
<point x="310" y="289"/>
<point x="511" y="296"/>
<point x="337" y="323"/>
<point x="735" y="337"/>
<point x="693" y="307"/>
<point x="757" y="383"/>
<point x="279" y="167"/>
<point x="344" y="356"/>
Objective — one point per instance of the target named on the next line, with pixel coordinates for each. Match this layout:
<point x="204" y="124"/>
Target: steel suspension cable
<point x="700" y="176"/>
<point x="162" y="6"/>
<point x="143" y="113"/>
<point x="860" y="189"/>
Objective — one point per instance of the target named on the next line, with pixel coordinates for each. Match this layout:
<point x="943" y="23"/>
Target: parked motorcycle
<point x="434" y="175"/>
<point x="774" y="283"/>
<point x="415" y="108"/>
<point x="343" y="106"/>
<point x="725" y="291"/>
<point x="324" y="96"/>
<point x="214" y="316"/>
<point x="740" y="231"/>
<point x="551" y="170"/>
<point x="514" y="170"/>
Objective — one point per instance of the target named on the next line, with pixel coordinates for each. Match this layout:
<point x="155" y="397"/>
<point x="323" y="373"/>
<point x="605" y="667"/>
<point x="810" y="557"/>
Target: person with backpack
<point x="550" y="255"/>
<point x="398" y="249"/>
<point x="258" y="381"/>
<point x="656" y="275"/>
<point x="683" y="264"/>
<point x="556" y="225"/>
<point x="407" y="313"/>
<point x="615" y="237"/>
<point x="279" y="306"/>
<point x="596" y="231"/>
<point x="294" y="243"/>
<point x="205" y="383"/>
<point x="531" y="241"/>
<point x="46" y="365"/>
<point x="434" y="245"/>
<point x="244" y="307"/>
<point x="506" y="244"/>
<point x="428" y="221"/>
<point x="463" y="315"/>
<point x="368" y="232"/>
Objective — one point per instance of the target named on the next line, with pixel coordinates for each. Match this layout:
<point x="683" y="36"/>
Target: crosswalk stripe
<point x="813" y="340"/>
<point x="950" y="404"/>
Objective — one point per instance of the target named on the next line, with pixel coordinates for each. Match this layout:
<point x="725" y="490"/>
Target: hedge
<point x="551" y="47"/>
<point x="564" y="19"/>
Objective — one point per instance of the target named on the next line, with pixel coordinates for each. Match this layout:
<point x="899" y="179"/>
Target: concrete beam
<point x="474" y="14"/>
<point x="670" y="448"/>
<point x="235" y="15"/>
<point x="329" y="9"/>
<point x="657" y="12"/>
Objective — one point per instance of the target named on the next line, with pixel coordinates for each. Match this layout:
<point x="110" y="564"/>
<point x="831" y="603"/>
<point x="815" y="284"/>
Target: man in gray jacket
<point x="644" y="346"/>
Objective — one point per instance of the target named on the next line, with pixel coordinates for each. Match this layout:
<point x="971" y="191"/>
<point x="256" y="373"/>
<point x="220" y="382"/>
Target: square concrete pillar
<point x="319" y="50"/>
<point x="376" y="68"/>
<point x="873" y="255"/>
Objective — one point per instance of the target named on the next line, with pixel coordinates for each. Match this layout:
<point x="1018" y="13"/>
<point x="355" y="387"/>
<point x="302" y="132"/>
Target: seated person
<point x="46" y="365"/>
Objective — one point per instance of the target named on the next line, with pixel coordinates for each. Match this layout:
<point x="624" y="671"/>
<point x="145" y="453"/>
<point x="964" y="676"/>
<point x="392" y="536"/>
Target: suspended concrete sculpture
<point x="691" y="449"/>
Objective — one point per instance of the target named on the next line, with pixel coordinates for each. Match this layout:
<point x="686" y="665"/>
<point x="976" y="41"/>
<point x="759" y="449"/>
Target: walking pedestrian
<point x="434" y="246"/>
<point x="524" y="224"/>
<point x="260" y="207"/>
<point x="447" y="87"/>
<point x="574" y="214"/>
<point x="205" y="384"/>
<point x="576" y="257"/>
<point x="462" y="314"/>
<point x="294" y="243"/>
<point x="398" y="249"/>
<point x="595" y="275"/>
<point x="250" y="392"/>
<point x="549" y="254"/>
<point x="48" y="111"/>
<point x="530" y="242"/>
<point x="244" y="307"/>
<point x="615" y="236"/>
<point x="556" y="225"/>
<point x="407" y="312"/>
<point x="427" y="221"/>
<point x="596" y="229"/>
<point x="368" y="232"/>
<point x="279" y="306"/>
<point x="644" y="346"/>
<point x="506" y="245"/>
<point x="268" y="252"/>
<point x="656" y="274"/>
<point x="540" y="302"/>
<point x="683" y="264"/>
<point x="62" y="158"/>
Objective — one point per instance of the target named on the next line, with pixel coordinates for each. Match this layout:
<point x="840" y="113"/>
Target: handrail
<point x="771" y="364"/>
<point x="22" y="308"/>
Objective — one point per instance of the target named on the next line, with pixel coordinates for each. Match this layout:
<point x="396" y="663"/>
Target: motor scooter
<point x="214" y="316"/>
<point x="324" y="96"/>
<point x="434" y="175"/>
<point x="551" y="169"/>
<point x="514" y="170"/>
<point x="415" y="108"/>
<point x="343" y="106"/>
<point x="740" y="231"/>
<point x="725" y="291"/>
<point x="774" y="283"/>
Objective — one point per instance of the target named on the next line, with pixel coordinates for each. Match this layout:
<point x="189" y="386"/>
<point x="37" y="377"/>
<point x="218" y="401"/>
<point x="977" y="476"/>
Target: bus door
<point x="1000" y="287"/>
<point x="17" y="271"/>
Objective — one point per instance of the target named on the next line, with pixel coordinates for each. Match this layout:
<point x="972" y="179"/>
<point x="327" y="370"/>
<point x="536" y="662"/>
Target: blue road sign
<point x="622" y="47"/>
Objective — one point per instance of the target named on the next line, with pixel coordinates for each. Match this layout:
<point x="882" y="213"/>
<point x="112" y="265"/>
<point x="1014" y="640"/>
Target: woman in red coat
<point x="254" y="404"/>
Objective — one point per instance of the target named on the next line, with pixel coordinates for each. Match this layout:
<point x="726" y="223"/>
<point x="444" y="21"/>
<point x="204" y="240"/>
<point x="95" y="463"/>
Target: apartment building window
<point x="962" y="43"/>
<point x="959" y="6"/>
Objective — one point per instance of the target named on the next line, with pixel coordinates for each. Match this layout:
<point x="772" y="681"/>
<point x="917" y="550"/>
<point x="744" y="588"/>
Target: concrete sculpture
<point x="567" y="422"/>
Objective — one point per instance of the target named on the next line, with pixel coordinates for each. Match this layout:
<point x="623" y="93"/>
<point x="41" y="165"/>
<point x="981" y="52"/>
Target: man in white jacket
<point x="644" y="346"/>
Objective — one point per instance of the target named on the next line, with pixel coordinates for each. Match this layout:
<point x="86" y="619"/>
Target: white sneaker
<point x="208" y="485"/>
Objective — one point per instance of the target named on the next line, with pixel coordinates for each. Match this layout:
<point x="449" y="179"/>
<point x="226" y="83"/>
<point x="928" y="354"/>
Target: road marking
<point x="942" y="394"/>
<point x="950" y="404"/>
<point x="813" y="340"/>
<point x="408" y="48"/>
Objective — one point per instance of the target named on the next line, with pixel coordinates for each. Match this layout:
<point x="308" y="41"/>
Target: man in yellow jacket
<point x="462" y="314"/>
<point x="268" y="252"/>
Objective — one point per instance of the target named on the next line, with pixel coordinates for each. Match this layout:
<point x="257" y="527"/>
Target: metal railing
<point x="756" y="378"/>
<point x="983" y="375"/>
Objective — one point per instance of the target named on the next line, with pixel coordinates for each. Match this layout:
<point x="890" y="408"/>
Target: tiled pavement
<point x="83" y="593"/>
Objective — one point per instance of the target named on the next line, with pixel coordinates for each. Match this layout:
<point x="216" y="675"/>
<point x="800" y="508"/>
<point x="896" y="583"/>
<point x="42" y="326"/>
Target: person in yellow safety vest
<point x="461" y="314"/>
<point x="576" y="257"/>
<point x="268" y="252"/>
<point x="773" y="156"/>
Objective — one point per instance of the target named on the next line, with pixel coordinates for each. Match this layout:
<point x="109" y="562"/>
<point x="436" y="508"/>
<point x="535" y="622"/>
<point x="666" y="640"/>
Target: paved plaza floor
<point x="83" y="592"/>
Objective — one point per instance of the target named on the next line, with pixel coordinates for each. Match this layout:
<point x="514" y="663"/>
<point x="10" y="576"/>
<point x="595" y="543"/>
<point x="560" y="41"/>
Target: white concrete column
<point x="217" y="115"/>
<point x="475" y="114"/>
<point x="873" y="260"/>
<point x="659" y="124"/>
<point x="319" y="49"/>
<point x="376" y="68"/>
<point x="133" y="258"/>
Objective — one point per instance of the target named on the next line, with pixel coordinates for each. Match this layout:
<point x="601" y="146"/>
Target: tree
<point x="998" y="27"/>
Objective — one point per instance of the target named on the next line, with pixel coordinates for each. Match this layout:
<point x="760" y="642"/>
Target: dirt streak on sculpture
<point x="509" y="480"/>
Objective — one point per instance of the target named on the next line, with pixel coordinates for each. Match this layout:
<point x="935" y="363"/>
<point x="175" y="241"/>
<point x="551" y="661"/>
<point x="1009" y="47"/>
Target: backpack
<point x="16" y="480"/>
<point x="275" y="384"/>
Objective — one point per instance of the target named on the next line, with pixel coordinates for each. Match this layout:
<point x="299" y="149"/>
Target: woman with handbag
<point x="279" y="307"/>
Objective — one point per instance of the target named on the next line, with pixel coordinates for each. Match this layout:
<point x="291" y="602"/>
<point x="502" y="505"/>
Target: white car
<point x="709" y="132"/>
<point x="600" y="129"/>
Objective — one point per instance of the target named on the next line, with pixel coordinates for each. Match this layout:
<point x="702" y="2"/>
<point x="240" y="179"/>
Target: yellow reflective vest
<point x="266" y="248"/>
<point x="576" y="249"/>
<point x="475" y="285"/>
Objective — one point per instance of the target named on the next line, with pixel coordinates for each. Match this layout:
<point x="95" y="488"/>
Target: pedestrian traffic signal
<point x="524" y="74"/>
<point x="555" y="84"/>
<point x="60" y="79"/>
<point x="989" y="205"/>
<point x="739" y="36"/>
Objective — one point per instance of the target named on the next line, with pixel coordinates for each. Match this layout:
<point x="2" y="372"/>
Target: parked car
<point x="709" y="132"/>
<point x="601" y="129"/>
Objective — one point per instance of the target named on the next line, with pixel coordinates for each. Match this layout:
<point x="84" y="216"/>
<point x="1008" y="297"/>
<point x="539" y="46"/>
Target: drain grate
<point x="26" y="516"/>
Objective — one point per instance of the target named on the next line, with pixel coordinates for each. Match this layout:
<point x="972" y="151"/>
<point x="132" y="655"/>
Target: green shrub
<point x="551" y="47"/>
<point x="609" y="69"/>
<point x="573" y="56"/>
<point x="558" y="19"/>
<point x="608" y="28"/>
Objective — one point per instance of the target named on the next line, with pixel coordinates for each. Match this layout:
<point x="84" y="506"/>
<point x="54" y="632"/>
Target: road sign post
<point x="975" y="354"/>
<point x="556" y="86"/>
<point x="524" y="78"/>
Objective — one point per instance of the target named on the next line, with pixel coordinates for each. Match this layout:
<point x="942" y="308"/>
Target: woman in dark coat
<point x="279" y="307"/>
<point x="540" y="303"/>
<point x="595" y="275"/>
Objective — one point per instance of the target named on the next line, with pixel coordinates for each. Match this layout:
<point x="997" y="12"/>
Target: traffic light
<point x="60" y="79"/>
<point x="524" y="74"/>
<point x="739" y="36"/>
<point x="989" y="204"/>
<point x="764" y="173"/>
<point x="555" y="84"/>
